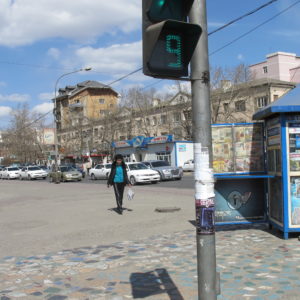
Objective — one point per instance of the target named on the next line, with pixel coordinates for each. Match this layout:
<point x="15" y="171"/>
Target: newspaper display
<point x="222" y="149"/>
<point x="238" y="148"/>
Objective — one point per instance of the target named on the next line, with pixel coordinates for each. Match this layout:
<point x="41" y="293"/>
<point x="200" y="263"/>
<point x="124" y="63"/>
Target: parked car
<point x="32" y="172"/>
<point x="164" y="169"/>
<point x="10" y="173"/>
<point x="66" y="173"/>
<point x="1" y="171"/>
<point x="100" y="171"/>
<point x="188" y="166"/>
<point x="45" y="168"/>
<point x="140" y="173"/>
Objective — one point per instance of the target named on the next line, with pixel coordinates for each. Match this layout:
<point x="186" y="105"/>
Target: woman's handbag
<point x="130" y="194"/>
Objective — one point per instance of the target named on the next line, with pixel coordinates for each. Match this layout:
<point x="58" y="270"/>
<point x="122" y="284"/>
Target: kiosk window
<point x="163" y="156"/>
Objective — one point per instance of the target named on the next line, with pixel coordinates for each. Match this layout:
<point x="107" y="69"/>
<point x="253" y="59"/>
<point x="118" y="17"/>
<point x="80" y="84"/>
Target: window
<point x="226" y="107"/>
<point x="163" y="119"/>
<point x="166" y="155"/>
<point x="275" y="97"/>
<point x="240" y="106"/>
<point x="102" y="112"/>
<point x="139" y="123"/>
<point x="101" y="101"/>
<point x="77" y="101"/>
<point x="261" y="102"/>
<point x="177" y="117"/>
<point x="111" y="106"/>
<point x="188" y="115"/>
<point x="154" y="121"/>
<point x="96" y="132"/>
<point x="148" y="122"/>
<point x="265" y="70"/>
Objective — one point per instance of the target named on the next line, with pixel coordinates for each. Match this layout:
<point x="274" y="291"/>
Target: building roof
<point x="287" y="104"/>
<point x="81" y="86"/>
<point x="253" y="84"/>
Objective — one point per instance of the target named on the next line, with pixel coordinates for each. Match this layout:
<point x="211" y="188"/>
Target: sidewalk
<point x="254" y="264"/>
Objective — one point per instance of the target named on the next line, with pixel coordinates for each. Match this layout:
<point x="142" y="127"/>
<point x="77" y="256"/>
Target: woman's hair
<point x="118" y="156"/>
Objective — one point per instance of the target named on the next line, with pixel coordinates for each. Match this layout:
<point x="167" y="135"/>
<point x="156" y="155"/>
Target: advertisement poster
<point x="239" y="200"/>
<point x="238" y="148"/>
<point x="295" y="200"/>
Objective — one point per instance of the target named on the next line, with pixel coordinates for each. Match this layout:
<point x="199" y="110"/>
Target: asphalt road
<point x="187" y="182"/>
<point x="38" y="217"/>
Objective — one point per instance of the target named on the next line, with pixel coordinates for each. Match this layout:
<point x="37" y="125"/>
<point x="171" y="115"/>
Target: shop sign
<point x="182" y="148"/>
<point x="121" y="144"/>
<point x="161" y="139"/>
<point x="138" y="141"/>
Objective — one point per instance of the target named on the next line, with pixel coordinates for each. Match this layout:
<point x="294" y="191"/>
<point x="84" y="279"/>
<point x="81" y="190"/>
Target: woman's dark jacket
<point x="112" y="175"/>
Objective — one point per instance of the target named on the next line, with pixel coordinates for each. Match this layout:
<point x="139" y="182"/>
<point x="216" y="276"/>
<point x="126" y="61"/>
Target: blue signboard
<point x="239" y="200"/>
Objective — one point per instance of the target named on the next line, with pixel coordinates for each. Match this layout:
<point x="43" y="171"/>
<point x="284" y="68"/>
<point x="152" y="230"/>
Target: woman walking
<point x="118" y="178"/>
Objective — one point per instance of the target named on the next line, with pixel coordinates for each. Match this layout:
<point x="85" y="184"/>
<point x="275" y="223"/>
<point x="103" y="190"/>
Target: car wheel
<point x="132" y="180"/>
<point x="179" y="178"/>
<point x="93" y="177"/>
<point x="44" y="178"/>
<point x="79" y="179"/>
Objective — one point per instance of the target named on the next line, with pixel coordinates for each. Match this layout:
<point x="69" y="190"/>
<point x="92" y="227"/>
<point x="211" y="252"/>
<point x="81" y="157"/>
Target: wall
<point x="183" y="156"/>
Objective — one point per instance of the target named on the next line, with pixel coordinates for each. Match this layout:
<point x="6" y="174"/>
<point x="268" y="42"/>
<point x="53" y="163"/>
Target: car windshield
<point x="157" y="164"/>
<point x="133" y="167"/>
<point x="34" y="169"/>
<point x="108" y="166"/>
<point x="13" y="169"/>
<point x="67" y="169"/>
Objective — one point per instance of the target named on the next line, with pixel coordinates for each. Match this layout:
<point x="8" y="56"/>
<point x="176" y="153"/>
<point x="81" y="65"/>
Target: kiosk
<point x="282" y="131"/>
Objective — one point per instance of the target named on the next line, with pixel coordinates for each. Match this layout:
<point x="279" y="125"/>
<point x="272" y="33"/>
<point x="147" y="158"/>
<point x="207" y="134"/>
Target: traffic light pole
<point x="204" y="183"/>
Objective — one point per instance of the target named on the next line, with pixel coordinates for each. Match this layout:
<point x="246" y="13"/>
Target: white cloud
<point x="54" y="53"/>
<point x="14" y="97"/>
<point x="46" y="96"/>
<point x="2" y="83"/>
<point x="5" y="111"/>
<point x="115" y="60"/>
<point x="43" y="108"/>
<point x="24" y="22"/>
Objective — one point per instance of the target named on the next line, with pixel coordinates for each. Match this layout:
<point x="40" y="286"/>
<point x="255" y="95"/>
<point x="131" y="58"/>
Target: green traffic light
<point x="161" y="2"/>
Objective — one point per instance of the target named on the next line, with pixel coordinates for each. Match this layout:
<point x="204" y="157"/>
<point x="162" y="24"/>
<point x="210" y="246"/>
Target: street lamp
<point x="57" y="179"/>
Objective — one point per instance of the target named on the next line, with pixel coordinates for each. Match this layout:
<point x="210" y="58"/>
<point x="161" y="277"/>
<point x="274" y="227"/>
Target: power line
<point x="243" y="16"/>
<point x="218" y="29"/>
<point x="256" y="27"/>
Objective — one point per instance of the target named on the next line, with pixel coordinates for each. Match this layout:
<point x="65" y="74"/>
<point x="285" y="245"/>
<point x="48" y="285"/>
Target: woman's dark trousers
<point x="119" y="191"/>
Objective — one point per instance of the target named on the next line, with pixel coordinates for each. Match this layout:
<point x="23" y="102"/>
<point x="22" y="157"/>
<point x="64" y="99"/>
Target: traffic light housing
<point x="168" y="40"/>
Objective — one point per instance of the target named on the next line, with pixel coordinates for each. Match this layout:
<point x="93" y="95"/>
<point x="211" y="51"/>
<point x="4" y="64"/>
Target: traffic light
<point x="168" y="40"/>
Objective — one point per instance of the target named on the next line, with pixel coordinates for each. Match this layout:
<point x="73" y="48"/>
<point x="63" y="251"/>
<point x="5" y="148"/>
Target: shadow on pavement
<point x="153" y="283"/>
<point x="116" y="210"/>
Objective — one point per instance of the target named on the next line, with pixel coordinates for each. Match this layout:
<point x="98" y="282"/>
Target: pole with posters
<point x="204" y="180"/>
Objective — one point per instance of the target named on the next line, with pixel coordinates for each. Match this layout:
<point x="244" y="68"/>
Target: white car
<point x="140" y="173"/>
<point x="100" y="171"/>
<point x="188" y="165"/>
<point x="32" y="172"/>
<point x="10" y="173"/>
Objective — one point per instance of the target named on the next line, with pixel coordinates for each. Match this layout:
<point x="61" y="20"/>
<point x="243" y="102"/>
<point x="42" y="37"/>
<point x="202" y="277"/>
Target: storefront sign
<point x="138" y="141"/>
<point x="182" y="148"/>
<point x="160" y="139"/>
<point x="122" y="144"/>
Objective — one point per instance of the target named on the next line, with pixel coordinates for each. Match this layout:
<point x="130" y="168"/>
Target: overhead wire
<point x="210" y="33"/>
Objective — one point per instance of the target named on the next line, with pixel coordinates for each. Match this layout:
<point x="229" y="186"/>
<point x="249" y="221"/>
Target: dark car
<point x="164" y="169"/>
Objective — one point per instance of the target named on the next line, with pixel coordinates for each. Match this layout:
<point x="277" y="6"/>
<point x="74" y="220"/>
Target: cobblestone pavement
<point x="254" y="264"/>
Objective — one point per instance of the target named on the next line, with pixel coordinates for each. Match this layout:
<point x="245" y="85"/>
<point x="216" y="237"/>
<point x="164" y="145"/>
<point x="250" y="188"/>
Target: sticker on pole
<point x="205" y="216"/>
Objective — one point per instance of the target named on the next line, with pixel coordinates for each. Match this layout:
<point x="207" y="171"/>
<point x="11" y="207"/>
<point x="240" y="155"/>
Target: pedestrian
<point x="118" y="178"/>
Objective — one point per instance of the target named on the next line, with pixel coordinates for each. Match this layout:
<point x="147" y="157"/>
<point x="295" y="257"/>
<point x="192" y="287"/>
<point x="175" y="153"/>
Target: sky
<point x="42" y="40"/>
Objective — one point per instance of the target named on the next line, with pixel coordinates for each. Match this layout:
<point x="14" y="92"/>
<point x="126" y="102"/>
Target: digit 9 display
<point x="168" y="55"/>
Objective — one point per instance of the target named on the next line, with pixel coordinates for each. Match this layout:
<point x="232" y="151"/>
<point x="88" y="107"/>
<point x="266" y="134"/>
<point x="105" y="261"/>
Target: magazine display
<point x="238" y="149"/>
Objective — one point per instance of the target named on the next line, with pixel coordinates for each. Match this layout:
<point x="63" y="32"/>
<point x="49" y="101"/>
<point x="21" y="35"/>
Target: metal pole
<point x="57" y="179"/>
<point x="204" y="182"/>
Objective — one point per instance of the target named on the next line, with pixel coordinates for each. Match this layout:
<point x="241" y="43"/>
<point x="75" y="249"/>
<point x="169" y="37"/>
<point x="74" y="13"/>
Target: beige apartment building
<point x="230" y="104"/>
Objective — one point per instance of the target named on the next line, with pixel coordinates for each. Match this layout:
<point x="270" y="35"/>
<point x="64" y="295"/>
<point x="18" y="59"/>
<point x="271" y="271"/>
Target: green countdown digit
<point x="174" y="46"/>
